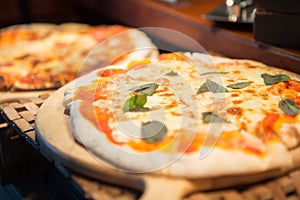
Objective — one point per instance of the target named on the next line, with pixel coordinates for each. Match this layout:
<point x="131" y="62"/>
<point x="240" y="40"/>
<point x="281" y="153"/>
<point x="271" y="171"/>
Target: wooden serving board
<point x="53" y="132"/>
<point x="14" y="96"/>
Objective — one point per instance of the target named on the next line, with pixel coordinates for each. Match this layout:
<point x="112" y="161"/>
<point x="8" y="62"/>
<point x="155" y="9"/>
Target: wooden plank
<point x="31" y="134"/>
<point x="22" y="101"/>
<point x="17" y="106"/>
<point x="14" y="137"/>
<point x="28" y="116"/>
<point x="37" y="101"/>
<point x="232" y="194"/>
<point x="11" y="113"/>
<point x="99" y="190"/>
<point x="3" y="105"/>
<point x="198" y="196"/>
<point x="258" y="192"/>
<point x="23" y="125"/>
<point x="293" y="197"/>
<point x="217" y="195"/>
<point x="44" y="96"/>
<point x="295" y="176"/>
<point x="31" y="107"/>
<point x="287" y="184"/>
<point x="223" y="195"/>
<point x="3" y="125"/>
<point x="277" y="191"/>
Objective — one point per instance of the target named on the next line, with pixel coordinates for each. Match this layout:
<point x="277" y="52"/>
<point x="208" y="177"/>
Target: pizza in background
<point x="47" y="56"/>
<point x="160" y="115"/>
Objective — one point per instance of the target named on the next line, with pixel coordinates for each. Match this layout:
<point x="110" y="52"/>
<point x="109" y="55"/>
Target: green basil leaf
<point x="203" y="88"/>
<point x="134" y="102"/>
<point x="211" y="86"/>
<point x="210" y="73"/>
<point x="143" y="109"/>
<point x="239" y="85"/>
<point x="209" y="117"/>
<point x="273" y="79"/>
<point x="147" y="89"/>
<point x="153" y="131"/>
<point x="289" y="106"/>
<point x="171" y="73"/>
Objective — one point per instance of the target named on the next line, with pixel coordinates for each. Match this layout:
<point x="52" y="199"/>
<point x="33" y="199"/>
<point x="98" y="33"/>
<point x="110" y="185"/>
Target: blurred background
<point x="53" y="11"/>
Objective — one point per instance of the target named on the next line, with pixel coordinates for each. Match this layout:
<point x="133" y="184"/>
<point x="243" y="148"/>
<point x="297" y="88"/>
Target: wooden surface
<point x="26" y="11"/>
<point x="17" y="96"/>
<point x="232" y="40"/>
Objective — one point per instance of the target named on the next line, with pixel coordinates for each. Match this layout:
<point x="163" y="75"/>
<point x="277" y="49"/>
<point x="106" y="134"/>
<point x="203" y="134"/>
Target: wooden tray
<point x="53" y="132"/>
<point x="15" y="96"/>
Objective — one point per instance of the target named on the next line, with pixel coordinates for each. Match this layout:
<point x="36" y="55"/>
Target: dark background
<point x="52" y="11"/>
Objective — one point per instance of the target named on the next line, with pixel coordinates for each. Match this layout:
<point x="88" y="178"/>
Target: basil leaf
<point x="211" y="86"/>
<point x="203" y="88"/>
<point x="171" y="73"/>
<point x="143" y="109"/>
<point x="134" y="102"/>
<point x="153" y="131"/>
<point x="210" y="73"/>
<point x="289" y="106"/>
<point x="239" y="85"/>
<point x="273" y="79"/>
<point x="209" y="117"/>
<point x="147" y="89"/>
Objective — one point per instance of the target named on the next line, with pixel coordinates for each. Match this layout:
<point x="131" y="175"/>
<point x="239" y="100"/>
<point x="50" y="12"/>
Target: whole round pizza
<point x="46" y="56"/>
<point x="188" y="115"/>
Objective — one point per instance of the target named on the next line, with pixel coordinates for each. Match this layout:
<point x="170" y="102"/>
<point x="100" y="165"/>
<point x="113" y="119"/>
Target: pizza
<point x="46" y="56"/>
<point x="188" y="115"/>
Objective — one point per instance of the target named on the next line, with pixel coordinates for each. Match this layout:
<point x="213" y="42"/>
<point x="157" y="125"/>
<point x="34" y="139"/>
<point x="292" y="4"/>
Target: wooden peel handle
<point x="166" y="188"/>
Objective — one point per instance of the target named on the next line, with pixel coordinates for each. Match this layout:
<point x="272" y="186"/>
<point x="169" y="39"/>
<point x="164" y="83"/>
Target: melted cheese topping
<point x="178" y="104"/>
<point x="39" y="54"/>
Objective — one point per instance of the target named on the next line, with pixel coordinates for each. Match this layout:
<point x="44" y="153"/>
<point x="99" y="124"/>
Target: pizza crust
<point x="222" y="162"/>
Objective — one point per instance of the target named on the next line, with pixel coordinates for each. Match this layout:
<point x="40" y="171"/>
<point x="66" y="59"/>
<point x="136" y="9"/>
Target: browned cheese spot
<point x="234" y="111"/>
